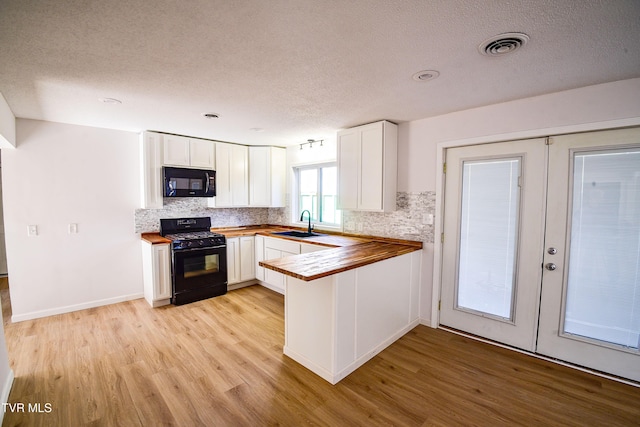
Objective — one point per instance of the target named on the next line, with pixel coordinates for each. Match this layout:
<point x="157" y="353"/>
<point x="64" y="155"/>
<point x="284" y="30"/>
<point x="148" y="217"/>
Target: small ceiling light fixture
<point x="257" y="129"/>
<point x="110" y="100"/>
<point x="503" y="44"/>
<point x="425" y="75"/>
<point x="310" y="142"/>
<point x="210" y="115"/>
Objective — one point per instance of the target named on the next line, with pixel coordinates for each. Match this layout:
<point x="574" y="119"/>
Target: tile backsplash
<point x="407" y="222"/>
<point x="148" y="220"/>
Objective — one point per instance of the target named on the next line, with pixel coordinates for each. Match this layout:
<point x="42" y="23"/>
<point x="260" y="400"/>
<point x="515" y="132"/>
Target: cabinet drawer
<point x="282" y="245"/>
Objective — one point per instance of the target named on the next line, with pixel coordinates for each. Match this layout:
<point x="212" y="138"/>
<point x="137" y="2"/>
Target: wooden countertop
<point x="315" y="265"/>
<point x="154" y="238"/>
<point x="347" y="251"/>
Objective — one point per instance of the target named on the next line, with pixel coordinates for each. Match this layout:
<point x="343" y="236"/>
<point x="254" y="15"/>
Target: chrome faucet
<point x="302" y="219"/>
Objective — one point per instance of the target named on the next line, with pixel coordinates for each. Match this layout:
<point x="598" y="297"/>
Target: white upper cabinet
<point x="367" y="167"/>
<point x="151" y="170"/>
<point x="232" y="175"/>
<point x="267" y="174"/>
<point x="188" y="152"/>
<point x="202" y="153"/>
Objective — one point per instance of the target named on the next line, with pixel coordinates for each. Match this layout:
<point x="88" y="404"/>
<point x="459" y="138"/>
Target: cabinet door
<point x="270" y="276"/>
<point x="259" y="176"/>
<point x="202" y="154"/>
<point x="371" y="168"/>
<point x="176" y="150"/>
<point x="278" y="177"/>
<point x="233" y="260"/>
<point x="348" y="168"/>
<point x="247" y="263"/>
<point x="223" y="175"/>
<point x="259" y="256"/>
<point x="239" y="175"/>
<point x="162" y="272"/>
<point x="151" y="158"/>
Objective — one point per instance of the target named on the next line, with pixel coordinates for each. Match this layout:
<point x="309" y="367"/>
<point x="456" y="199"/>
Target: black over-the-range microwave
<point x="185" y="182"/>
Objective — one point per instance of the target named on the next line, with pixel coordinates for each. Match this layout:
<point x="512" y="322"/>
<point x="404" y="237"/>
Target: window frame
<point x="295" y="206"/>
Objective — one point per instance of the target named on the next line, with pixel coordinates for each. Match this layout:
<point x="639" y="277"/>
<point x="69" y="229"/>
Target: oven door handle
<point x="200" y="249"/>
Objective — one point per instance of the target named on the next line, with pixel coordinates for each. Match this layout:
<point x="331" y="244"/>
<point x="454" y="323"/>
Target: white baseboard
<point x="272" y="287"/>
<point x="235" y="286"/>
<point x="316" y="369"/>
<point x="6" y="389"/>
<point x="335" y="378"/>
<point x="76" y="307"/>
<point x="426" y="322"/>
<point x="374" y="352"/>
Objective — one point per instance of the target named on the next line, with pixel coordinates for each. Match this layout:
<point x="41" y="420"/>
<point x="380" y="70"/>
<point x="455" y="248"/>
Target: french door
<point x="542" y="247"/>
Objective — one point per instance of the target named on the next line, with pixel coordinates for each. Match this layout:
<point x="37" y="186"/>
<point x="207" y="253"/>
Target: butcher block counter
<point x="348" y="252"/>
<point x="316" y="265"/>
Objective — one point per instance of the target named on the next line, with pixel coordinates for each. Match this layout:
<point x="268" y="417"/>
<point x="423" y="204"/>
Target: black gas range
<point x="198" y="259"/>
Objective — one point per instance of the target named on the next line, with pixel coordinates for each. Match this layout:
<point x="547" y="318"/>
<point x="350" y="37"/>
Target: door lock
<point x="550" y="266"/>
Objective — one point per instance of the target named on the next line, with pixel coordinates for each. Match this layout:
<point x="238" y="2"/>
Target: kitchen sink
<point x="301" y="234"/>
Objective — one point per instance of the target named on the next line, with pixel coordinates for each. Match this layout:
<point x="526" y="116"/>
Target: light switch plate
<point x="32" y="230"/>
<point x="73" y="228"/>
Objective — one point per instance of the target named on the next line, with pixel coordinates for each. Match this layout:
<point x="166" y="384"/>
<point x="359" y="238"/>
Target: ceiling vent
<point x="503" y="44"/>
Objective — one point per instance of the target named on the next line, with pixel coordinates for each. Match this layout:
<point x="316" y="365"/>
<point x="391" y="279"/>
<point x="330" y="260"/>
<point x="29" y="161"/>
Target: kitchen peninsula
<point x="347" y="297"/>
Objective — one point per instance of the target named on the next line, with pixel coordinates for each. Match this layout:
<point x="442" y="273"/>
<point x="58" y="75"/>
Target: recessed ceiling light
<point x="425" y="75"/>
<point x="210" y="115"/>
<point x="503" y="44"/>
<point x="257" y="129"/>
<point x="110" y="100"/>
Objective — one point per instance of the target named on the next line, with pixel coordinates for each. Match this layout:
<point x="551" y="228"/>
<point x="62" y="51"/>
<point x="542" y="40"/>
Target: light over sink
<point x="300" y="234"/>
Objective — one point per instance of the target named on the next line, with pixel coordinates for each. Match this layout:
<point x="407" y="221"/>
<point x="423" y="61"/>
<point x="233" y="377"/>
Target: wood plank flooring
<point x="219" y="363"/>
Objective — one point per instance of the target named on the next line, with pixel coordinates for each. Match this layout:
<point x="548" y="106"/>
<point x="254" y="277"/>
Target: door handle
<point x="550" y="266"/>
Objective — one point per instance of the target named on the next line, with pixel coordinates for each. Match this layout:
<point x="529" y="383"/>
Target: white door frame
<point x="434" y="320"/>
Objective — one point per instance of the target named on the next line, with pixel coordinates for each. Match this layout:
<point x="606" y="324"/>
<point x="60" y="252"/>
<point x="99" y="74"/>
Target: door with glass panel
<point x="590" y="306"/>
<point x="492" y="249"/>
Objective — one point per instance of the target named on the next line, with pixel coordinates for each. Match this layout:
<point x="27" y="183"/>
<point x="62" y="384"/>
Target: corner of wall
<point x="7" y="125"/>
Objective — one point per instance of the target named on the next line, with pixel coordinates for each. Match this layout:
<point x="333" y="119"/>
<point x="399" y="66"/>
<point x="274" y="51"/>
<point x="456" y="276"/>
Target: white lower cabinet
<point x="275" y="248"/>
<point x="240" y="259"/>
<point x="259" y="256"/>
<point x="156" y="270"/>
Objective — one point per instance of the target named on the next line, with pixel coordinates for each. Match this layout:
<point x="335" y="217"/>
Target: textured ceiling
<point x="298" y="69"/>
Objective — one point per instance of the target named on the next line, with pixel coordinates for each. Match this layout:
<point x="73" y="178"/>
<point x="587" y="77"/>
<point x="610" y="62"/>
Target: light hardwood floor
<point x="219" y="363"/>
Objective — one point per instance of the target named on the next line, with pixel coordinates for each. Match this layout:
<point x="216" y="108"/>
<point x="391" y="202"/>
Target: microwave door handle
<point x="206" y="189"/>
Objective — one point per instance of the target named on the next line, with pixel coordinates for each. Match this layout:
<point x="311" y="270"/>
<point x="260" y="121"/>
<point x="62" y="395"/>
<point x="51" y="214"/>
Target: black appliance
<point x="183" y="182"/>
<point x="198" y="259"/>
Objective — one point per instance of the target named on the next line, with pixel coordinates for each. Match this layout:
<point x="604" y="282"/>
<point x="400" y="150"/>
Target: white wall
<point x="61" y="174"/>
<point x="590" y="108"/>
<point x="7" y="125"/>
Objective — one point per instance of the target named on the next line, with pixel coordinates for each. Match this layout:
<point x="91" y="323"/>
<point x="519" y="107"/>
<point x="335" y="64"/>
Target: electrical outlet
<point x="32" y="230"/>
<point x="360" y="227"/>
<point x="427" y="219"/>
<point x="349" y="225"/>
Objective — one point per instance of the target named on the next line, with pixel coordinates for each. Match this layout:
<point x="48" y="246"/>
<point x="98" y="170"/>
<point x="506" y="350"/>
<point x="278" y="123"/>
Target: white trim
<point x="525" y="134"/>
<point x="274" y="288"/>
<point x="244" y="284"/>
<point x="6" y="390"/>
<point x="334" y="379"/>
<point x="70" y="308"/>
